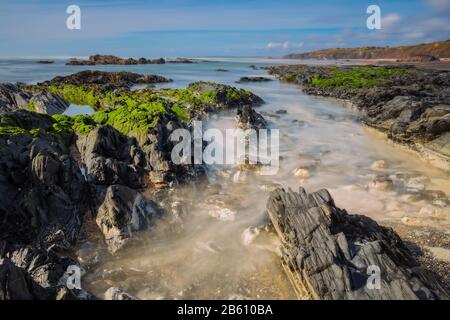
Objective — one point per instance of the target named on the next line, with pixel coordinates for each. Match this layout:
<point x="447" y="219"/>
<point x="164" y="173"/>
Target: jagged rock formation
<point x="49" y="103"/>
<point x="327" y="252"/>
<point x="13" y="98"/>
<point x="248" y="118"/>
<point x="123" y="212"/>
<point x="411" y="106"/>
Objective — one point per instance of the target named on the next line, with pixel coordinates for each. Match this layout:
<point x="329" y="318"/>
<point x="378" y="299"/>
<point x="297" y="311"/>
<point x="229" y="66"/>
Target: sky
<point x="188" y="28"/>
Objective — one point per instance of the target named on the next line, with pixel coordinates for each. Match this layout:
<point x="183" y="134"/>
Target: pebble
<point x="379" y="165"/>
<point x="249" y="235"/>
<point x="301" y="173"/>
<point x="410" y="221"/>
<point x="222" y="214"/>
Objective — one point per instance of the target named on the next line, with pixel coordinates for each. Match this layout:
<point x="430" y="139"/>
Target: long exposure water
<point x="222" y="250"/>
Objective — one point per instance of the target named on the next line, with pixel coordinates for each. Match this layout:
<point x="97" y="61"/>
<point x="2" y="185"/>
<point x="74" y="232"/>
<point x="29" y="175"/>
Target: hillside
<point x="425" y="51"/>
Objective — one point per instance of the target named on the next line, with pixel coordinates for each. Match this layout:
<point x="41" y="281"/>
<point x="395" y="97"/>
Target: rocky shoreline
<point x="77" y="188"/>
<point x="411" y="106"/>
<point x="60" y="172"/>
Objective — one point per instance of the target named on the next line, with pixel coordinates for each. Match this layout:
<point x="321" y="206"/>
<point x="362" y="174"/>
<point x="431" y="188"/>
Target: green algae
<point x="356" y="77"/>
<point x="129" y="112"/>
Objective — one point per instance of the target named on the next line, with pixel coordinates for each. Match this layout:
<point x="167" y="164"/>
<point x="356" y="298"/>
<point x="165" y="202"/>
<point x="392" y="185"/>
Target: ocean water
<point x="220" y="253"/>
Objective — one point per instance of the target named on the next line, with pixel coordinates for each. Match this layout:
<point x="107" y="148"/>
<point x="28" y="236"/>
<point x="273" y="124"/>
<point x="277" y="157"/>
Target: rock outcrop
<point x="248" y="118"/>
<point x="253" y="79"/>
<point x="330" y="254"/>
<point x="99" y="59"/>
<point x="14" y="98"/>
<point x="121" y="78"/>
<point x="49" y="103"/>
<point x="122" y="212"/>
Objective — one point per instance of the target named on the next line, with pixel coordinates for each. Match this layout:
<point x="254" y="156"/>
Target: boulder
<point x="248" y="118"/>
<point x="12" y="98"/>
<point x="122" y="213"/>
<point x="330" y="254"/>
<point x="111" y="158"/>
<point x="48" y="102"/>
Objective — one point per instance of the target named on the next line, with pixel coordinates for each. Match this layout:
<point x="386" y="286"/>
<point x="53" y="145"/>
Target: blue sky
<point x="213" y="27"/>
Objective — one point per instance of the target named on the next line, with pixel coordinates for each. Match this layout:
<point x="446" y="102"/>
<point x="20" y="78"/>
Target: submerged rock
<point x="253" y="79"/>
<point x="330" y="254"/>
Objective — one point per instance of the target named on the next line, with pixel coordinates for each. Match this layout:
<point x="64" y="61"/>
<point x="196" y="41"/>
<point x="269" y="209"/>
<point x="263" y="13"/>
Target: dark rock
<point x="181" y="60"/>
<point x="123" y="212"/>
<point x="221" y="70"/>
<point x="49" y="103"/>
<point x="15" y="284"/>
<point x="30" y="273"/>
<point x="281" y="111"/>
<point x="12" y="98"/>
<point x="227" y="97"/>
<point x="102" y="77"/>
<point x="111" y="158"/>
<point x="41" y="188"/>
<point x="99" y="59"/>
<point x="253" y="79"/>
<point x="46" y="61"/>
<point x="248" y="118"/>
<point x="327" y="252"/>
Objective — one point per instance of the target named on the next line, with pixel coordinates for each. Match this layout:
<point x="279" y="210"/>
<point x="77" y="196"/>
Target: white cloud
<point x="276" y="45"/>
<point x="390" y="20"/>
<point x="283" y="45"/>
<point x="439" y="4"/>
